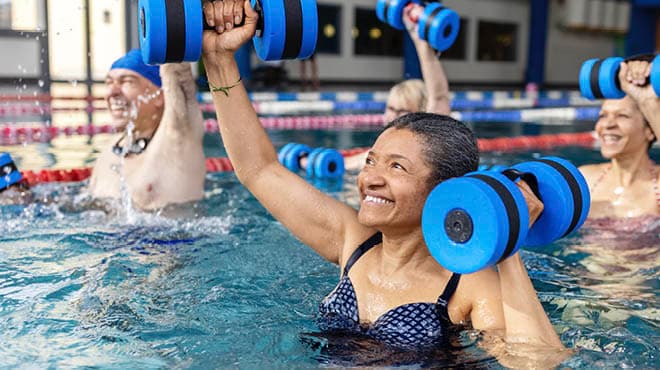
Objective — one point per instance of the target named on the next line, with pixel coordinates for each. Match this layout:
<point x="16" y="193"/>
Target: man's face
<point x="131" y="97"/>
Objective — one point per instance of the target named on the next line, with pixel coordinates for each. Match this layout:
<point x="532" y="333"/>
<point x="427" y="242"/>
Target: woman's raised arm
<point x="317" y="219"/>
<point x="435" y="79"/>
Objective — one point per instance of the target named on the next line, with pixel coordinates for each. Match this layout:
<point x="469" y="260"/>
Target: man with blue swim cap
<point x="158" y="149"/>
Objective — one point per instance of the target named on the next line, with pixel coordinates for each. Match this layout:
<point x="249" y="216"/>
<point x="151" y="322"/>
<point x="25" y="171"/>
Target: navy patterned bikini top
<point x="411" y="325"/>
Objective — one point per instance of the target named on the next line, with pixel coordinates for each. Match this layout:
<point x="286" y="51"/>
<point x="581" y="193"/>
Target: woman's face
<point x="622" y="129"/>
<point x="394" y="182"/>
<point x="397" y="106"/>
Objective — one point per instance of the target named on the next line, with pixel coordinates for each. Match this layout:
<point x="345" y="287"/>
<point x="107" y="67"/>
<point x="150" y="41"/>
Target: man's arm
<point x="182" y="114"/>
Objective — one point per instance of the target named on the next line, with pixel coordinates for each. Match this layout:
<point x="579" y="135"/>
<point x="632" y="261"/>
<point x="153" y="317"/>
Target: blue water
<point x="220" y="284"/>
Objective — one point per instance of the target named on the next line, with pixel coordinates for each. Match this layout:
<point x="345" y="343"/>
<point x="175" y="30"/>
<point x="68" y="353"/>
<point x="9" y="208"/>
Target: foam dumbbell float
<point x="319" y="163"/>
<point x="494" y="167"/>
<point x="9" y="174"/>
<point x="599" y="78"/>
<point x="170" y="31"/>
<point x="438" y="25"/>
<point x="480" y="219"/>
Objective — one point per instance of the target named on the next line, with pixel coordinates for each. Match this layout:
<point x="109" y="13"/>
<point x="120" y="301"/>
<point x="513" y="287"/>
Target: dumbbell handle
<point x="303" y="160"/>
<point x="260" y="22"/>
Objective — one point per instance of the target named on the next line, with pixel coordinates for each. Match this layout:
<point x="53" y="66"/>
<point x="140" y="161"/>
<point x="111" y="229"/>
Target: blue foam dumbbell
<point x="322" y="163"/>
<point x="438" y="25"/>
<point x="599" y="78"/>
<point x="474" y="221"/>
<point x="171" y="30"/>
<point x="9" y="173"/>
<point x="565" y="196"/>
<point x="477" y="220"/>
<point x="494" y="167"/>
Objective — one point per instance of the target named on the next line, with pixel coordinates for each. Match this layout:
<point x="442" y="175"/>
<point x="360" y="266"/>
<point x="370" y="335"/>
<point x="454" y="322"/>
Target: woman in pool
<point x="627" y="185"/>
<point x="386" y="266"/>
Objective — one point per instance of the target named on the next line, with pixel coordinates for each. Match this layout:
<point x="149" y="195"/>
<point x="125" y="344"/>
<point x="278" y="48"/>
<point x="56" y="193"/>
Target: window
<point x="497" y="41"/>
<point x="457" y="50"/>
<point x="19" y="15"/>
<point x="373" y="37"/>
<point x="329" y="29"/>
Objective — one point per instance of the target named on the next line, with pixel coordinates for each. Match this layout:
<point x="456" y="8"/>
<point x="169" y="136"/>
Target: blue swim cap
<point x="133" y="61"/>
<point x="9" y="174"/>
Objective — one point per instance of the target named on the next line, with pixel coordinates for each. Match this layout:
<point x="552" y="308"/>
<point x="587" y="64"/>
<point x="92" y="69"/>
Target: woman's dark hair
<point x="450" y="146"/>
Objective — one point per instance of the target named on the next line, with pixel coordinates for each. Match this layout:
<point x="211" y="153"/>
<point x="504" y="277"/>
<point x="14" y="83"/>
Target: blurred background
<point x="51" y="45"/>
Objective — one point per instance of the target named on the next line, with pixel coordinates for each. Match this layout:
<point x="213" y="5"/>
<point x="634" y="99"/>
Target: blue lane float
<point x="463" y="99"/>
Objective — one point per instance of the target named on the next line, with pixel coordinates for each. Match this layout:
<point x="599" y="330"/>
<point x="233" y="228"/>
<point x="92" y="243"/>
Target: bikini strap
<point x="374" y="240"/>
<point x="443" y="300"/>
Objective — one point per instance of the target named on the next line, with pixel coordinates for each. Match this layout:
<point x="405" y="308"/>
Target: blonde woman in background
<point x="429" y="95"/>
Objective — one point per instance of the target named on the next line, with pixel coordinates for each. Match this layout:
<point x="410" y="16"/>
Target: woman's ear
<point x="648" y="133"/>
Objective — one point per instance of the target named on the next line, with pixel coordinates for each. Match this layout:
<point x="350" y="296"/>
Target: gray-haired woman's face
<point x="394" y="182"/>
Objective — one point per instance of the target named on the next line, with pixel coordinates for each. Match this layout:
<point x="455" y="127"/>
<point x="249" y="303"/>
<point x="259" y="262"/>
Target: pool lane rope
<point x="18" y="133"/>
<point x="222" y="164"/>
<point x="315" y="106"/>
<point x="343" y="96"/>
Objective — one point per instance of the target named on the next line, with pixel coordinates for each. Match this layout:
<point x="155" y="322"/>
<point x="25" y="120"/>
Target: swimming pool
<point x="221" y="284"/>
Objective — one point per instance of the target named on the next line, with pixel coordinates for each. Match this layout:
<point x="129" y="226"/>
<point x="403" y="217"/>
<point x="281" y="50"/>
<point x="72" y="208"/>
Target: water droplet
<point x="40" y="83"/>
<point x="74" y="83"/>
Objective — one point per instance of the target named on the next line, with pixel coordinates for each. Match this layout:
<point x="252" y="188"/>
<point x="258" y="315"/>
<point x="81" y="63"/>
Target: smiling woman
<point x="392" y="289"/>
<point x="627" y="185"/>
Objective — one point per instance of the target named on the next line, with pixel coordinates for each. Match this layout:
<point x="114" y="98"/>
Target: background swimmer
<point x="158" y="153"/>
<point x="627" y="185"/>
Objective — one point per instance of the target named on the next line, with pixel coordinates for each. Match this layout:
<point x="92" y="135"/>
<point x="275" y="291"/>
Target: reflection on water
<point x="219" y="281"/>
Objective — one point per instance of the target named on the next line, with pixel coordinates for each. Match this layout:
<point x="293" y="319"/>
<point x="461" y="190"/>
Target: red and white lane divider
<point x="18" y="133"/>
<point x="222" y="164"/>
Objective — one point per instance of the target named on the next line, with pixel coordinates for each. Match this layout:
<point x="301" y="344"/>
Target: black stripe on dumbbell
<point x="429" y="19"/>
<point x="594" y="81"/>
<point x="294" y="29"/>
<point x="176" y="30"/>
<point x="386" y="10"/>
<point x="575" y="190"/>
<point x="511" y="212"/>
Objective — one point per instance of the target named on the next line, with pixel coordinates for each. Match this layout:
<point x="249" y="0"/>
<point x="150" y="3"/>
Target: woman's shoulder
<point x="355" y="237"/>
<point x="591" y="168"/>
<point x="590" y="171"/>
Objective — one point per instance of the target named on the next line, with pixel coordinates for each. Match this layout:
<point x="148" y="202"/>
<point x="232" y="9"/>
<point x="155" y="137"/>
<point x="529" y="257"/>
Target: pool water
<point x="221" y="284"/>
